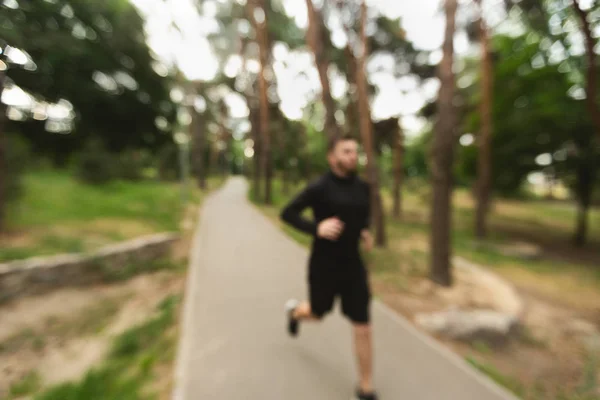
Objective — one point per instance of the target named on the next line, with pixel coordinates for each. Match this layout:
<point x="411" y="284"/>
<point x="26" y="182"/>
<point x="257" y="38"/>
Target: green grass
<point x="130" y="366"/>
<point x="511" y="383"/>
<point x="58" y="214"/>
<point x="29" y="384"/>
<point x="56" y="197"/>
<point x="586" y="389"/>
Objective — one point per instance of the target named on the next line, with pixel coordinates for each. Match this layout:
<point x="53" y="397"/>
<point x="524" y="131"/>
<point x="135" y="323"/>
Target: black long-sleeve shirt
<point x="332" y="196"/>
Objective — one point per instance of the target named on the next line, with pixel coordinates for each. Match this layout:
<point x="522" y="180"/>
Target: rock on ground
<point x="486" y="325"/>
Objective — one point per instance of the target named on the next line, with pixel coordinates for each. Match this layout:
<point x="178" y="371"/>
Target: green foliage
<point x="317" y="150"/>
<point x="416" y="156"/>
<point x="18" y="158"/>
<point x="94" y="164"/>
<point x="60" y="214"/>
<point x="27" y="385"/>
<point x="510" y="383"/>
<point x="105" y="383"/>
<point x="168" y="162"/>
<point x="87" y="42"/>
<point x="281" y="27"/>
<point x="131" y="165"/>
<point x="54" y="197"/>
<point x="532" y="114"/>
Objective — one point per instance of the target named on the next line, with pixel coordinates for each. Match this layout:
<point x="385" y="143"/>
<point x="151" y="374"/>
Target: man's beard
<point x="345" y="169"/>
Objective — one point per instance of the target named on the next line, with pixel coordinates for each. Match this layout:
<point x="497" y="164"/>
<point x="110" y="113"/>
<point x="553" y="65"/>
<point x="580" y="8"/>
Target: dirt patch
<point x="545" y="356"/>
<point x="69" y="361"/>
<point x="38" y="345"/>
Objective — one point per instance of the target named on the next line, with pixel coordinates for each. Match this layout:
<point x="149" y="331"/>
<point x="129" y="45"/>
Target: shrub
<point x="17" y="160"/>
<point x="168" y="162"/>
<point x="131" y="165"/>
<point x="94" y="164"/>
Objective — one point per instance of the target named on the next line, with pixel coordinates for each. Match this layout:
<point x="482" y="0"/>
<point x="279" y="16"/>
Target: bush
<point x="168" y="162"/>
<point x="131" y="165"/>
<point x="18" y="156"/>
<point x="94" y="164"/>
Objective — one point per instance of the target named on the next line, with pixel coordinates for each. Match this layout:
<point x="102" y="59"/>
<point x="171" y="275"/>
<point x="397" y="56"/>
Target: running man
<point x="341" y="209"/>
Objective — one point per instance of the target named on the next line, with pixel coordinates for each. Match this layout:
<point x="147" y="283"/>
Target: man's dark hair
<point x="335" y="140"/>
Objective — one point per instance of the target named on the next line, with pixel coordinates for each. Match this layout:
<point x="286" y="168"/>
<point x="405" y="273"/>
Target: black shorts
<point x="352" y="288"/>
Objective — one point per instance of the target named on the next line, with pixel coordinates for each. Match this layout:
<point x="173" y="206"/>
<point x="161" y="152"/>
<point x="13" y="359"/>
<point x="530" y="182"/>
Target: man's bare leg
<point x="364" y="354"/>
<point x="303" y="312"/>
<point x="296" y="313"/>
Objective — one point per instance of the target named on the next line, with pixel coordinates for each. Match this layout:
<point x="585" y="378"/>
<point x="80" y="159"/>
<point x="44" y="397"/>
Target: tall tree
<point x="398" y="171"/>
<point x="197" y="135"/>
<point x="352" y="108"/>
<point x="484" y="169"/>
<point x="3" y="165"/>
<point x="585" y="166"/>
<point x="259" y="19"/>
<point x="443" y="157"/>
<point x="592" y="71"/>
<point x="315" y="33"/>
<point x="198" y="147"/>
<point x="257" y="151"/>
<point x="366" y="128"/>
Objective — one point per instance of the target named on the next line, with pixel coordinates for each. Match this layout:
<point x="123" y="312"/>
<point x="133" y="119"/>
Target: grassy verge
<point x="59" y="214"/>
<point x="587" y="388"/>
<point x="131" y="366"/>
<point x="29" y="384"/>
<point x="140" y="361"/>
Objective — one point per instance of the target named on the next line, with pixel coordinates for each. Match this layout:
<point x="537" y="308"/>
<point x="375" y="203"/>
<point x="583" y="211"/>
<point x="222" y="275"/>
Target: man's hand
<point x="367" y="239"/>
<point x="330" y="228"/>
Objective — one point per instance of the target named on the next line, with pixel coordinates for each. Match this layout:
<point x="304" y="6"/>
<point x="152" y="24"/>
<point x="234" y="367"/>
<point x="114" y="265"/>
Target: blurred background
<point x="479" y="124"/>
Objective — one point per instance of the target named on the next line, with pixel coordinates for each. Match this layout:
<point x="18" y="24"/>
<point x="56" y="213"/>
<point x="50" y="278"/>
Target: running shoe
<point x="293" y="323"/>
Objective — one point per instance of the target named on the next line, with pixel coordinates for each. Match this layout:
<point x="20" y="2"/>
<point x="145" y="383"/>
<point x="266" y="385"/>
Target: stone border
<point x="37" y="275"/>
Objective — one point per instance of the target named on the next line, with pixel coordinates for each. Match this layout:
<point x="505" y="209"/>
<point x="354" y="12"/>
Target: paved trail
<point x="234" y="345"/>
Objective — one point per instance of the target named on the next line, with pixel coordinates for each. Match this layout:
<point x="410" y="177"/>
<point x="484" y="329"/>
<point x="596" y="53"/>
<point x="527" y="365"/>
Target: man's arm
<point x="292" y="212"/>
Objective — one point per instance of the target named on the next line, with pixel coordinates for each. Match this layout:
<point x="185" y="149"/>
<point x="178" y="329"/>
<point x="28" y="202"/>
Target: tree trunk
<point x="257" y="177"/>
<point x="592" y="84"/>
<point x="442" y="158"/>
<point x="484" y="167"/>
<point x="315" y="41"/>
<point x="582" y="224"/>
<point x="263" y="42"/>
<point x="285" y="166"/>
<point x="398" y="172"/>
<point x="213" y="160"/>
<point x="586" y="176"/>
<point x="366" y="128"/>
<point x="198" y="143"/>
<point x="352" y="109"/>
<point x="198" y="147"/>
<point x="2" y="158"/>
